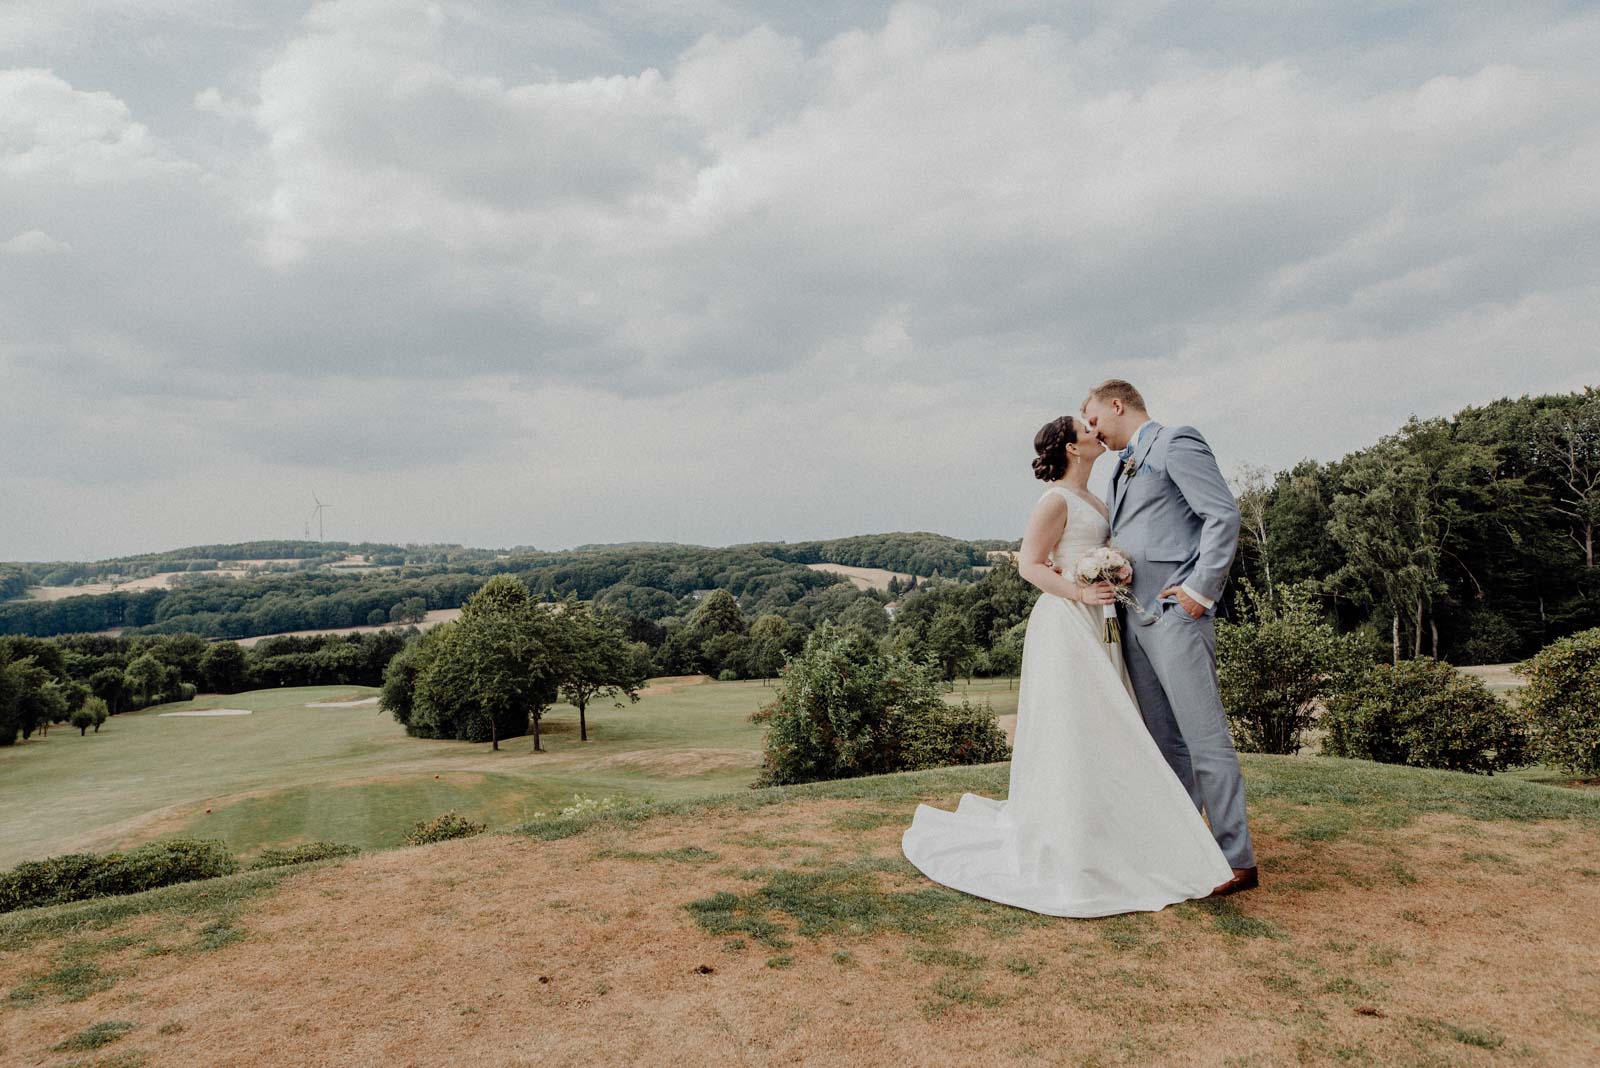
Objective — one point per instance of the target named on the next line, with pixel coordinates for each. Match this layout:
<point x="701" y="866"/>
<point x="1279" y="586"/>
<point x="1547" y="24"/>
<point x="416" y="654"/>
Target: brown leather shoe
<point x="1243" y="879"/>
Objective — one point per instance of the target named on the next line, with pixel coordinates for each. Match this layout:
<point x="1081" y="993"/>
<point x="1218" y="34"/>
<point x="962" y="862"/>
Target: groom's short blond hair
<point x="1117" y="389"/>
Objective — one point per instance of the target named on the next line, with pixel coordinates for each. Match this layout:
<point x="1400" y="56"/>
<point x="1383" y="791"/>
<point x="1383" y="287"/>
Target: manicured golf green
<point x="287" y="772"/>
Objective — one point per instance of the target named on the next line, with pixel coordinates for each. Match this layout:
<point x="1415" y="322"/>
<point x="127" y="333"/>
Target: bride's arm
<point x="1045" y="526"/>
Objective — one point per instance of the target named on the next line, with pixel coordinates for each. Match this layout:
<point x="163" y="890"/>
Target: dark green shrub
<point x="1275" y="662"/>
<point x="178" y="860"/>
<point x="940" y="737"/>
<point x="1562" y="702"/>
<point x="442" y="829"/>
<point x="844" y="707"/>
<point x="1425" y="714"/>
<point x="302" y="854"/>
<point x="77" y="876"/>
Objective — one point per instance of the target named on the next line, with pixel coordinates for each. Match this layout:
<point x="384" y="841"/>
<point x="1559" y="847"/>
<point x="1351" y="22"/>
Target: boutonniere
<point x="1130" y="467"/>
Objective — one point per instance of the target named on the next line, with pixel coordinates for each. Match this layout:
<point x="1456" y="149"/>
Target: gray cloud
<point x="651" y="271"/>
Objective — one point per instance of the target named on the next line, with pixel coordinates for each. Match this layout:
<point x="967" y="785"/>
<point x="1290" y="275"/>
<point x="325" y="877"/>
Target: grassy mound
<point x="1406" y="917"/>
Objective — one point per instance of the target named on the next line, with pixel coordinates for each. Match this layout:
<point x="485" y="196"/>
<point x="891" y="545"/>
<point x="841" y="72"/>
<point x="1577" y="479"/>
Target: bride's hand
<point x="1100" y="593"/>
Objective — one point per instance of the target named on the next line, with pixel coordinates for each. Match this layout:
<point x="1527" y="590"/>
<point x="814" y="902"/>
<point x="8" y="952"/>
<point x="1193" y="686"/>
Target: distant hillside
<point x="268" y="587"/>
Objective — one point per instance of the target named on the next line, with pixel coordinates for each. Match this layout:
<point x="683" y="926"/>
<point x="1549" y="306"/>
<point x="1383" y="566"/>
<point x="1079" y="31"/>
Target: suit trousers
<point x="1172" y="664"/>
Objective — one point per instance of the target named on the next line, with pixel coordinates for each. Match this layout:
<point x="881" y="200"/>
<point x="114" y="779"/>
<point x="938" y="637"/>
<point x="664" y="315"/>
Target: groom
<point x="1174" y="516"/>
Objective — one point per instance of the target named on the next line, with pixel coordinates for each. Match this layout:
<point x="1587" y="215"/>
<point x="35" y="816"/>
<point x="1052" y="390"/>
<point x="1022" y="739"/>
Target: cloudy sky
<point x="509" y="273"/>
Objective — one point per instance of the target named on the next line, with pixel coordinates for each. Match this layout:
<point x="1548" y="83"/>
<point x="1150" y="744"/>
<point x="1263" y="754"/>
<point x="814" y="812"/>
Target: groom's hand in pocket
<point x="1185" y="602"/>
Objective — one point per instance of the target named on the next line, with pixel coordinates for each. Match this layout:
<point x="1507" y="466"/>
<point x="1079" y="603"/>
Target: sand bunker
<point x="209" y="712"/>
<point x="671" y="684"/>
<point x="343" y="704"/>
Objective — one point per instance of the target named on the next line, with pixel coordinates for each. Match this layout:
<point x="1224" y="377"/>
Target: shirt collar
<point x="1133" y="442"/>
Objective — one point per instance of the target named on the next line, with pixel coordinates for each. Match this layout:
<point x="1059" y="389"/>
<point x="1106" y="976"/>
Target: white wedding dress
<point x="1095" y="821"/>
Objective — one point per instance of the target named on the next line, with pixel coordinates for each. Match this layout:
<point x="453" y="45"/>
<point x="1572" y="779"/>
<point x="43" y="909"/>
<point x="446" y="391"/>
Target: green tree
<point x="82" y="719"/>
<point x="867" y="614"/>
<point x="600" y="663"/>
<point x="1567" y="441"/>
<point x="770" y="641"/>
<point x="97" y="710"/>
<point x="490" y="674"/>
<point x="717" y="613"/>
<point x="144" y="678"/>
<point x="225" y="668"/>
<point x="950" y="640"/>
<point x="111" y="686"/>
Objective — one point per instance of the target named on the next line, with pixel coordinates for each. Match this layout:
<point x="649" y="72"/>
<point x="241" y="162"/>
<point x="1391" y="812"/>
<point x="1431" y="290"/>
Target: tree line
<point x="1469" y="539"/>
<point x="44" y="682"/>
<point x="651" y="581"/>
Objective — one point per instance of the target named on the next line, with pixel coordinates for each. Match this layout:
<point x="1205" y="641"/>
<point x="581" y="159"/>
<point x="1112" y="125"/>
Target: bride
<point x="1095" y="821"/>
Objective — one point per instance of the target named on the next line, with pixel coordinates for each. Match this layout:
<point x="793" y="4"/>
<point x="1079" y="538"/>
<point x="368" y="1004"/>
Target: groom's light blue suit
<point x="1179" y="523"/>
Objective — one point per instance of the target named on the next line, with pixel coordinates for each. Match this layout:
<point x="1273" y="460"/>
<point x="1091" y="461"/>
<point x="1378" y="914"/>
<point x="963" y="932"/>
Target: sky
<point x="540" y="274"/>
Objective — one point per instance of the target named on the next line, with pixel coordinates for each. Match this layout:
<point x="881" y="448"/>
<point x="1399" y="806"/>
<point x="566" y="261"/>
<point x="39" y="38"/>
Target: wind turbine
<point x="316" y="513"/>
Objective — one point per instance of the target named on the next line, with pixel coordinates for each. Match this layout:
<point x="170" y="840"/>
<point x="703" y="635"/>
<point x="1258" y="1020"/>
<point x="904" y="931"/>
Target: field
<point x="430" y="619"/>
<point x="864" y="578"/>
<point x="1406" y="918"/>
<point x="289" y="772"/>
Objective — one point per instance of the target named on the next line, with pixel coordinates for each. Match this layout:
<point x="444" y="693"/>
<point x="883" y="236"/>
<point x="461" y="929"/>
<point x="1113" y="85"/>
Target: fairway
<point x="289" y="773"/>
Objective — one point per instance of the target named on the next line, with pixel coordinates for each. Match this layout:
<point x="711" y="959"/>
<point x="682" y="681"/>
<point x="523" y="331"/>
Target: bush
<point x="442" y="829"/>
<point x="302" y="854"/>
<point x="845" y="708"/>
<point x="953" y="734"/>
<point x="77" y="876"/>
<point x="1425" y="714"/>
<point x="186" y="691"/>
<point x="1562" y="702"/>
<point x="1276" y="662"/>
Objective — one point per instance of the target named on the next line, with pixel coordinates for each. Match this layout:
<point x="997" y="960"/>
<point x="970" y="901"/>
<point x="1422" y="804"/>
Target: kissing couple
<point x="1125" y="791"/>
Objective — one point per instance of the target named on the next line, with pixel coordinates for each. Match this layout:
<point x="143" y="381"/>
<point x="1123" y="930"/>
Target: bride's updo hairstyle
<point x="1051" y="444"/>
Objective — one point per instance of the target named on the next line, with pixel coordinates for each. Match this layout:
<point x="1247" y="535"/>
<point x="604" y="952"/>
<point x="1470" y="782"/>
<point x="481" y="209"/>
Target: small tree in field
<point x="600" y="662"/>
<point x="97" y="708"/>
<point x="82" y="719"/>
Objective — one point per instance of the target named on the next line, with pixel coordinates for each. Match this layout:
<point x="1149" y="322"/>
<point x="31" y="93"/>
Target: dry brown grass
<point x="1448" y="941"/>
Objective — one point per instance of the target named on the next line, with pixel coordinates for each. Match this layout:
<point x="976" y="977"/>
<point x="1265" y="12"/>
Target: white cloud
<point x="871" y="253"/>
<point x="50" y="131"/>
<point x="33" y="243"/>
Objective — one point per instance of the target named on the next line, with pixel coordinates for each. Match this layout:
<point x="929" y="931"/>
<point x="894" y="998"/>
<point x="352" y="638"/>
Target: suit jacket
<point x="1175" y="517"/>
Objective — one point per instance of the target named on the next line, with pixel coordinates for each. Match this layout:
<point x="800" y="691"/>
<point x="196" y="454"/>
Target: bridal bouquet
<point x="1107" y="564"/>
